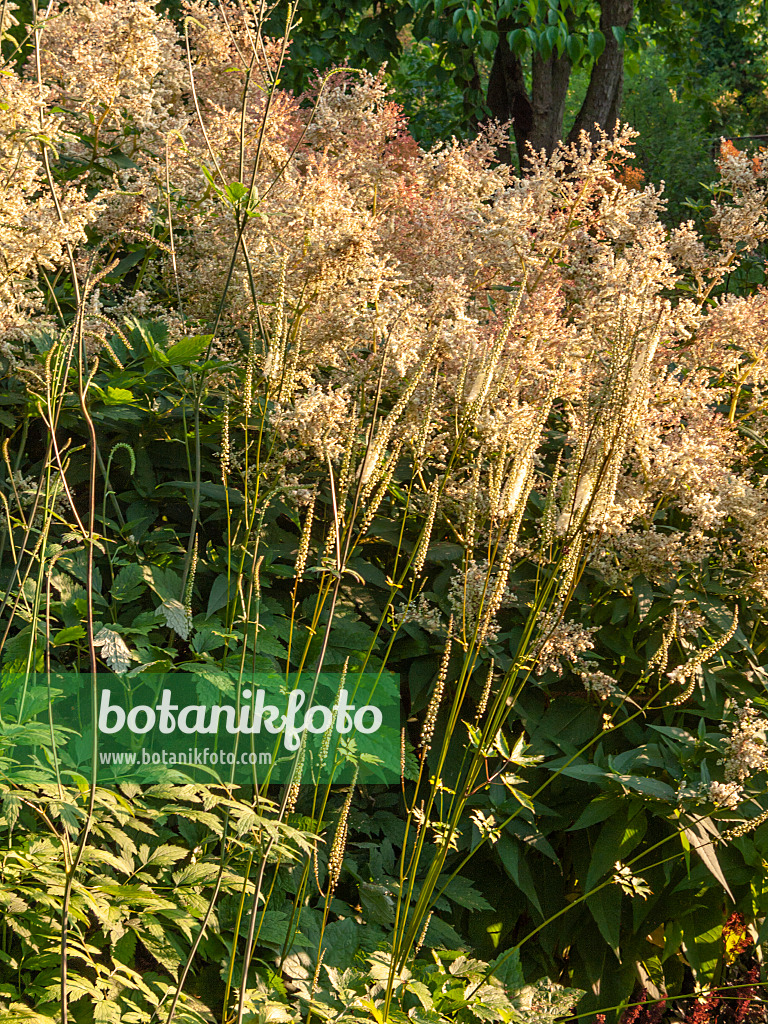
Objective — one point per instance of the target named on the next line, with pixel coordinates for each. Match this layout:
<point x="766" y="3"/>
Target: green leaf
<point x="218" y="595"/>
<point x="461" y="890"/>
<point x="648" y="787"/>
<point x="700" y="834"/>
<point x="164" y="949"/>
<point x="644" y="595"/>
<point x="516" y="866"/>
<point x="703" y="933"/>
<point x="422" y="993"/>
<point x="127" y="262"/>
<point x="575" y="48"/>
<point x="106" y="1011"/>
<point x="378" y="905"/>
<point x="605" y="907"/>
<point x="165" y="582"/>
<point x="166" y="855"/>
<point x="518" y="41"/>
<point x="602" y="807"/>
<point x="196" y="874"/>
<point x="187" y="349"/>
<point x="118" y="396"/>
<point x="595" y="44"/>
<point x="508" y="970"/>
<point x="341" y="940"/>
<point x="445" y="551"/>
<point x="488" y="40"/>
<point x="129" y="583"/>
<point x="66" y="636"/>
<point x="617" y="838"/>
<point x="219" y="680"/>
<point x="236" y="191"/>
<point x="11" y="808"/>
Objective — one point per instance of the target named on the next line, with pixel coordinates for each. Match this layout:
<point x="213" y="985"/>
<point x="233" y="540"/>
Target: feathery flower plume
<point x="423" y="935"/>
<point x="423" y="435"/>
<point x="549" y="517"/>
<point x="691" y="669"/>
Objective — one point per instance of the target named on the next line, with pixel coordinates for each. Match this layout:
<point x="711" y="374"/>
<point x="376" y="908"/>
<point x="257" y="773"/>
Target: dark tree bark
<point x="550" y="87"/>
<point x="507" y="97"/>
<point x="537" y="120"/>
<point x="603" y="100"/>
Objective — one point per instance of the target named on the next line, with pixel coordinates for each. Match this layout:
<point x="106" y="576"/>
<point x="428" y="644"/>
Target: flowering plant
<point x="290" y="393"/>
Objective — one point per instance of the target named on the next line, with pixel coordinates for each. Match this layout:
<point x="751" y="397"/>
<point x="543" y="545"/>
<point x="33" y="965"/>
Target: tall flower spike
<point x="681" y="698"/>
<point x="690" y="667"/>
<point x="289" y="382"/>
<point x="661" y="657"/>
<point x="515" y="493"/>
<point x="485" y="696"/>
<point x="421" y="554"/>
<point x="428" y="729"/>
<point x="250" y="371"/>
<point x="324" y="747"/>
<point x="278" y="321"/>
<point x="500" y="585"/>
<point x="191" y="581"/>
<point x="225" y="442"/>
<point x="273" y="364"/>
<point x="469" y="532"/>
<point x="549" y="518"/>
<point x="744" y="828"/>
<point x="336" y="857"/>
<point x="423" y="435"/>
<point x="496" y="474"/>
<point x="422" y="937"/>
<point x="345" y="479"/>
<point x="384" y="481"/>
<point x="295" y="787"/>
<point x="368" y="473"/>
<point x="301" y="558"/>
<point x="482" y="382"/>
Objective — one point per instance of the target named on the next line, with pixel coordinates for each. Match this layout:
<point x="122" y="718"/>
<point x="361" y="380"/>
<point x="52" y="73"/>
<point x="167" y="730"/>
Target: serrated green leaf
<point x="68" y="635"/>
<point x="462" y="891"/>
<point x="187" y="349"/>
<point x="129" y="583"/>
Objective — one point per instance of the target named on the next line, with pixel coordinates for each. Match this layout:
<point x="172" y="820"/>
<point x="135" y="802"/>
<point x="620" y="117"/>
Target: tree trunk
<point x="507" y="96"/>
<point x="550" y="87"/>
<point x="537" y="120"/>
<point x="602" y="103"/>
